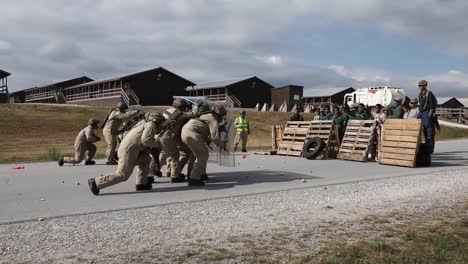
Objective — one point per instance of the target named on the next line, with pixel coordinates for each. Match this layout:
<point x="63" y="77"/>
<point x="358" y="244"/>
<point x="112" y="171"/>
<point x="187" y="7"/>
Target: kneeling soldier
<point x="84" y="142"/>
<point x="133" y="151"/>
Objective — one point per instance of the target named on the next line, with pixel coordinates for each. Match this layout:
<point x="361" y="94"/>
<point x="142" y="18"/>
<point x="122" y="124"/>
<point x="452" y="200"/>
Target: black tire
<point x="423" y="160"/>
<point x="312" y="148"/>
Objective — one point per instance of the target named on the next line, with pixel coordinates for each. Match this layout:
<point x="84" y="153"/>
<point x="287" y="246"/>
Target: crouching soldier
<point x="197" y="134"/>
<point x="133" y="151"/>
<point x="84" y="142"/>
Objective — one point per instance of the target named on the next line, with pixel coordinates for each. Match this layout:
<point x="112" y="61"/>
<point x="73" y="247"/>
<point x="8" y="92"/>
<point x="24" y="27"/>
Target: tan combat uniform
<point x="83" y="142"/>
<point x="110" y="131"/>
<point x="197" y="134"/>
<point x="133" y="151"/>
<point x="172" y="145"/>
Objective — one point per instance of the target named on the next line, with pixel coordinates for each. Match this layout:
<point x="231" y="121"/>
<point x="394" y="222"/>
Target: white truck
<point x="372" y="96"/>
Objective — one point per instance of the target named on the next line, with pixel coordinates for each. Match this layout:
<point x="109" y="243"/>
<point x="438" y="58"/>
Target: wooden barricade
<point x="400" y="142"/>
<point x="276" y="136"/>
<point x="329" y="134"/>
<point x="358" y="140"/>
<point x="293" y="138"/>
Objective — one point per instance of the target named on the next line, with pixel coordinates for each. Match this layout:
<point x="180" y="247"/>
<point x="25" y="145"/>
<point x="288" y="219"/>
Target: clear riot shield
<point x="224" y="155"/>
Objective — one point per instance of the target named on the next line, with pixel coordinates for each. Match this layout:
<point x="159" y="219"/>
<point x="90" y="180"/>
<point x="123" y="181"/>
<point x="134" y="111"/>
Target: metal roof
<point x="123" y="76"/>
<point x="443" y="100"/>
<point x="464" y="101"/>
<point x="218" y="84"/>
<point x="4" y="74"/>
<point x="308" y="92"/>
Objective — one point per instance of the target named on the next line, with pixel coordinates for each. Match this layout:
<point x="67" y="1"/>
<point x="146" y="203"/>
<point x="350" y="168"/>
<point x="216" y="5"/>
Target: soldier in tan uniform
<point x="84" y="142"/>
<point x="175" y="150"/>
<point x="111" y="130"/>
<point x="198" y="134"/>
<point x="133" y="151"/>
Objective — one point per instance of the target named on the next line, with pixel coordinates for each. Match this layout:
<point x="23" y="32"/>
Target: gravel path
<point x="171" y="233"/>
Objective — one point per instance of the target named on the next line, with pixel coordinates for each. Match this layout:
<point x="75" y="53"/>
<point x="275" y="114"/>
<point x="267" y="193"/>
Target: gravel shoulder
<point x="220" y="230"/>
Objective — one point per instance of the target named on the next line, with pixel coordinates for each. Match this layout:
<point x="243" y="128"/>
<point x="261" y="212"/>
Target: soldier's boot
<point x="151" y="179"/>
<point x="204" y="177"/>
<point x="93" y="187"/>
<point x="177" y="179"/>
<point x="113" y="162"/>
<point x="90" y="162"/>
<point x="61" y="161"/>
<point x="143" y="187"/>
<point x="193" y="182"/>
<point x="244" y="150"/>
<point x="158" y="174"/>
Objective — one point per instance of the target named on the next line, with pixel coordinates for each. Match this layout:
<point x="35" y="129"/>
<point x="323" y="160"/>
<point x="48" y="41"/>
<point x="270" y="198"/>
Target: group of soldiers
<point x="181" y="136"/>
<point x="422" y="108"/>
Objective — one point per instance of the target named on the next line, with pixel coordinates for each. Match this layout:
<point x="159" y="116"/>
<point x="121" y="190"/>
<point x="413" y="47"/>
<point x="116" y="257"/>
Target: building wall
<point x="157" y="87"/>
<point x="452" y="103"/>
<point x="292" y="94"/>
<point x="249" y="95"/>
<point x="108" y="101"/>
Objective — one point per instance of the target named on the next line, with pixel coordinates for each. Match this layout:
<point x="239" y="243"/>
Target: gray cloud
<point x="52" y="40"/>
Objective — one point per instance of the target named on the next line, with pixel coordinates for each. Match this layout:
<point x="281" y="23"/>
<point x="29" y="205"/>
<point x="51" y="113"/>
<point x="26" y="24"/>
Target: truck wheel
<point x="312" y="148"/>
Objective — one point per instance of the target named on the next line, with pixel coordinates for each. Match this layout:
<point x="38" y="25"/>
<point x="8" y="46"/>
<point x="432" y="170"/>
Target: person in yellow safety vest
<point x="243" y="131"/>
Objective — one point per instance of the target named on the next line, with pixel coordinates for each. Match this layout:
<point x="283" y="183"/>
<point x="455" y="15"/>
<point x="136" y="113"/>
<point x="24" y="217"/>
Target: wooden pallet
<point x="267" y="153"/>
<point x="329" y="134"/>
<point x="358" y="140"/>
<point x="293" y="138"/>
<point x="276" y="136"/>
<point x="400" y="142"/>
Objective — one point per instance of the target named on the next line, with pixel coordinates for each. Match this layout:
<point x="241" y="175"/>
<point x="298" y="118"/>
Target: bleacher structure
<point x="4" y="86"/>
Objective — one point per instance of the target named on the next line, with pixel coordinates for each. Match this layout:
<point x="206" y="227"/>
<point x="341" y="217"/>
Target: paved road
<point x="44" y="190"/>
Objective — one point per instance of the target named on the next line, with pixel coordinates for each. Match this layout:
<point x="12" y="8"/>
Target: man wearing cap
<point x="378" y="115"/>
<point x="243" y="131"/>
<point x="398" y="111"/>
<point x="110" y="129"/>
<point x="84" y="142"/>
<point x="427" y="107"/>
<point x="414" y="109"/>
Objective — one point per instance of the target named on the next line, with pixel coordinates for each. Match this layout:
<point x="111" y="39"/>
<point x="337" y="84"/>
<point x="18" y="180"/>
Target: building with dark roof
<point x="327" y="96"/>
<point x="242" y="92"/>
<point x="4" y="86"/>
<point x="449" y="102"/>
<point x="290" y="94"/>
<point x="150" y="87"/>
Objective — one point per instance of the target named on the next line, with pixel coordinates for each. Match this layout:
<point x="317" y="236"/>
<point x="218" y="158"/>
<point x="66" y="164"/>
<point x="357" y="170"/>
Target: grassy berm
<point x="41" y="132"/>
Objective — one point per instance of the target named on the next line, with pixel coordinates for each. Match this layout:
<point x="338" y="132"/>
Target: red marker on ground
<point x="244" y="156"/>
<point x="18" y="168"/>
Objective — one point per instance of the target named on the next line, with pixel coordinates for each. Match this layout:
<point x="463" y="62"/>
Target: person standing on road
<point x="243" y="131"/>
<point x="427" y="108"/>
<point x="413" y="111"/>
<point x="84" y="142"/>
<point x="111" y="130"/>
<point x="361" y="113"/>
<point x="296" y="115"/>
<point x="398" y="111"/>
<point x="133" y="151"/>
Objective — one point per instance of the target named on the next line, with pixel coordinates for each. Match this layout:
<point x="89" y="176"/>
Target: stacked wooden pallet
<point x="276" y="136"/>
<point x="329" y="134"/>
<point x="358" y="140"/>
<point x="400" y="142"/>
<point x="293" y="138"/>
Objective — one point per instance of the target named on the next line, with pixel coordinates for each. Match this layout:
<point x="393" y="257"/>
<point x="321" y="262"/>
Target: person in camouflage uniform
<point x="361" y="113"/>
<point x="398" y="111"/>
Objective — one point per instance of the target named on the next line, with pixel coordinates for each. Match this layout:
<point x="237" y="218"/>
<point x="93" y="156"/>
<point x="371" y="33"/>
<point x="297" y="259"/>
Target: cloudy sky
<point x="315" y="43"/>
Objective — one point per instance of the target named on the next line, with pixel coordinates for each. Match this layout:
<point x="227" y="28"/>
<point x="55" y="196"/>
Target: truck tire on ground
<point x="312" y="148"/>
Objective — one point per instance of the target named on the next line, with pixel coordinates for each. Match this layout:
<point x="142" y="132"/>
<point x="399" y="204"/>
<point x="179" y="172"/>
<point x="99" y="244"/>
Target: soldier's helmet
<point x="204" y="107"/>
<point x="180" y="103"/>
<point x="220" y="110"/>
<point x="122" y="106"/>
<point x="93" y="122"/>
<point x="155" y="117"/>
